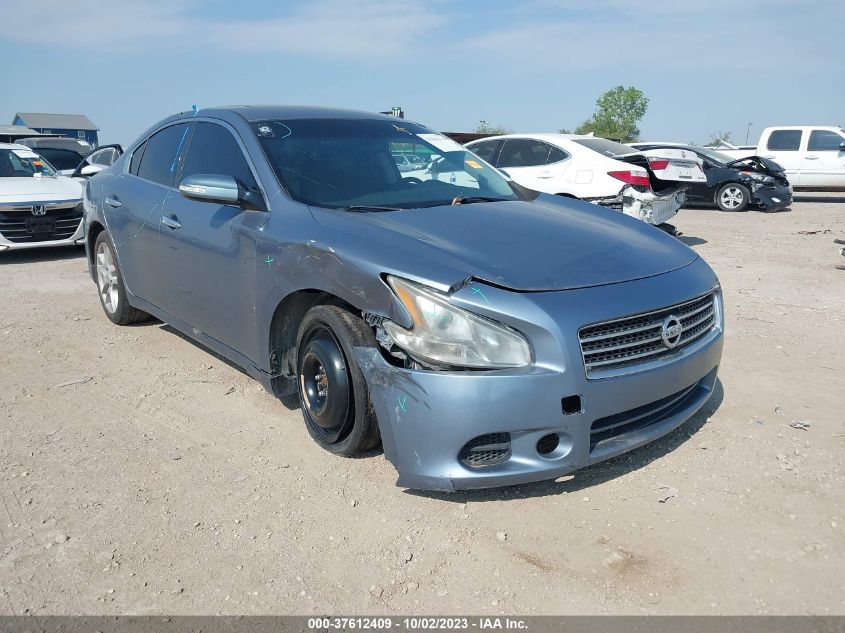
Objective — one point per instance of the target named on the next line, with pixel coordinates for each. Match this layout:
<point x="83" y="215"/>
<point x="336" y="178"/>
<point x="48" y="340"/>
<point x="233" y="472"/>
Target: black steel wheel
<point x="333" y="393"/>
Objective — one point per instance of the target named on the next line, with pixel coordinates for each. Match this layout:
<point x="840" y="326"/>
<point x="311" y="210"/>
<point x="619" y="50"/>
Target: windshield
<point x="23" y="163"/>
<point x="604" y="146"/>
<point x="339" y="163"/>
<point x="60" y="158"/>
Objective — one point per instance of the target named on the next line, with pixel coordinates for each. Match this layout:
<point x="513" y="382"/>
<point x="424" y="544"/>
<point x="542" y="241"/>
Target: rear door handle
<point x="545" y="174"/>
<point x="811" y="157"/>
<point x="171" y="222"/>
<point x="112" y="201"/>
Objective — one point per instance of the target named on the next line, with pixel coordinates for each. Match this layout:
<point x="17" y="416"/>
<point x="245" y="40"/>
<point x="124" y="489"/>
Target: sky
<point x="531" y="66"/>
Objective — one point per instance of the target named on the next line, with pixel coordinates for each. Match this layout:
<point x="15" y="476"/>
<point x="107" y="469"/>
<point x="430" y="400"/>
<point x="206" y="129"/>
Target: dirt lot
<point x="139" y="474"/>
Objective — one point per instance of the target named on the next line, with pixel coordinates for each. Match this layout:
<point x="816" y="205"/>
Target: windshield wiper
<point x="471" y="199"/>
<point x="367" y="207"/>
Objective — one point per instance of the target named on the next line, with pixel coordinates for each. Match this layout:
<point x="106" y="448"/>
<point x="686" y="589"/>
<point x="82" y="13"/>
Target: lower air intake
<point x="486" y="450"/>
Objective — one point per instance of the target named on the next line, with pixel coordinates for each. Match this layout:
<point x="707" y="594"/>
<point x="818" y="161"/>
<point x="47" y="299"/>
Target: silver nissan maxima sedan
<point x="483" y="333"/>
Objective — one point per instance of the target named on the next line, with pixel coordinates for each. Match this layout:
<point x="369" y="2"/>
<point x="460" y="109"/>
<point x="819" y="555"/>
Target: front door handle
<point x="112" y="201"/>
<point x="545" y="174"/>
<point x="811" y="157"/>
<point x="171" y="222"/>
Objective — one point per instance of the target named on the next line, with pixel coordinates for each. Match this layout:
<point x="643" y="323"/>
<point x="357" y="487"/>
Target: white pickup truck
<point x="813" y="156"/>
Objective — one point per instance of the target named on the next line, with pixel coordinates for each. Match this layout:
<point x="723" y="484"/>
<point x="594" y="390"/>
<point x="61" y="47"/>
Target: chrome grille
<point x="59" y="222"/>
<point x="638" y="339"/>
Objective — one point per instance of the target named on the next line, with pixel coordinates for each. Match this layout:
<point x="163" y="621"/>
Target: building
<point x="76" y="126"/>
<point x="11" y="133"/>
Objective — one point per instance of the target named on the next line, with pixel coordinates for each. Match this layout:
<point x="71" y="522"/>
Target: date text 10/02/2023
<point x="419" y="623"/>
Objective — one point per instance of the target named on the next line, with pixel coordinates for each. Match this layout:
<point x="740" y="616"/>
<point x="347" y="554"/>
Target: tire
<point x="333" y="394"/>
<point x="733" y="197"/>
<point x="110" y="286"/>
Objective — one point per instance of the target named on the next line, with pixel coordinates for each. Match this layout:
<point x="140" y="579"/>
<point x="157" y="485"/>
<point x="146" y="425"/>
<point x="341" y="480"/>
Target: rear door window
<point x="556" y="155"/>
<point x="518" y="152"/>
<point x="161" y="157"/>
<point x="137" y="155"/>
<point x="784" y="141"/>
<point x="824" y="141"/>
<point x="213" y="150"/>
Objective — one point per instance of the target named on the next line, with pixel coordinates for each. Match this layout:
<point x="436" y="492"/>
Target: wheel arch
<point x="284" y="327"/>
<point x="90" y="237"/>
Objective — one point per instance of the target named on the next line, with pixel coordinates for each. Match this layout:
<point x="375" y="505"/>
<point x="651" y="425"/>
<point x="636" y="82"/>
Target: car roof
<point x="14" y="146"/>
<point x="55" y="141"/>
<point x="549" y="137"/>
<point x="268" y="112"/>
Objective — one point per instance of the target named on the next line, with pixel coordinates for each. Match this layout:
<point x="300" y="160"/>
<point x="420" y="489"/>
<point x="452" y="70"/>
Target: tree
<point x="717" y="136"/>
<point x="485" y="128"/>
<point x="563" y="130"/>
<point x="617" y="113"/>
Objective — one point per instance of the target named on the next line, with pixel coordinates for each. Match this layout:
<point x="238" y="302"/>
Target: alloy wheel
<point x="732" y="198"/>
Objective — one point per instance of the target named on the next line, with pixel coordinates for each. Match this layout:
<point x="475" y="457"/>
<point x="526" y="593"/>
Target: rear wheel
<point x="333" y="394"/>
<point x="110" y="285"/>
<point x="733" y="197"/>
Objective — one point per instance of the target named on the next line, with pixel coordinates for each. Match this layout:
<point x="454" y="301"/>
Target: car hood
<point x="41" y="189"/>
<point x="548" y="244"/>
<point x="758" y="164"/>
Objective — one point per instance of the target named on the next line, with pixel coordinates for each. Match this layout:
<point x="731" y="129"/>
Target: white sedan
<point x="38" y="207"/>
<point x="647" y="185"/>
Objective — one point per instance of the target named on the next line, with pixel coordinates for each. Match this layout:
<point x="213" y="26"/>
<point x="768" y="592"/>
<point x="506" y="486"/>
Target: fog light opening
<point x="548" y="443"/>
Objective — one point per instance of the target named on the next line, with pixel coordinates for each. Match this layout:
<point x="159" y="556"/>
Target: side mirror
<point x="90" y="170"/>
<point x="842" y="145"/>
<point x="220" y="189"/>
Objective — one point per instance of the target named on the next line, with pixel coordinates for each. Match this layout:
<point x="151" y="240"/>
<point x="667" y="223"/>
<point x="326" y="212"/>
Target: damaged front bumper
<point x="646" y="206"/>
<point x="771" y="197"/>
<point x="427" y="418"/>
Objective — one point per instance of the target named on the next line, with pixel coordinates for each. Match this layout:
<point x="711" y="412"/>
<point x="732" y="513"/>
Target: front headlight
<point x="757" y="177"/>
<point x="447" y="335"/>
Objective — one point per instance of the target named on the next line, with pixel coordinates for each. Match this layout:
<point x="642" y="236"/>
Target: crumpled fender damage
<point x="771" y="198"/>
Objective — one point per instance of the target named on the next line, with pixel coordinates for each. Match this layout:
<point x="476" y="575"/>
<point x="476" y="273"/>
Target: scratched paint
<point x="480" y="293"/>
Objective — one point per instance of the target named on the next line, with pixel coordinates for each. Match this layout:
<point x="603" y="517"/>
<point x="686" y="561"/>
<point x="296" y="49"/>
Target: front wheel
<point x="333" y="394"/>
<point x="733" y="197"/>
<point x="110" y="285"/>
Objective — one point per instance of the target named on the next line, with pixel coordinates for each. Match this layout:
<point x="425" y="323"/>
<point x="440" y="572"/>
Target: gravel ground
<point x="140" y="474"/>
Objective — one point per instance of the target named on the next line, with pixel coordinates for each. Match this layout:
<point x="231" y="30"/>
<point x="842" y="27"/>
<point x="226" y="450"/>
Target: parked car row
<point x="649" y="186"/>
<point x="39" y="205"/>
<point x="484" y="332"/>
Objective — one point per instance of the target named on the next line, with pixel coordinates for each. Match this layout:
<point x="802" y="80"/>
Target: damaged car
<point x="484" y="334"/>
<point x="649" y="186"/>
<point x="734" y="184"/>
